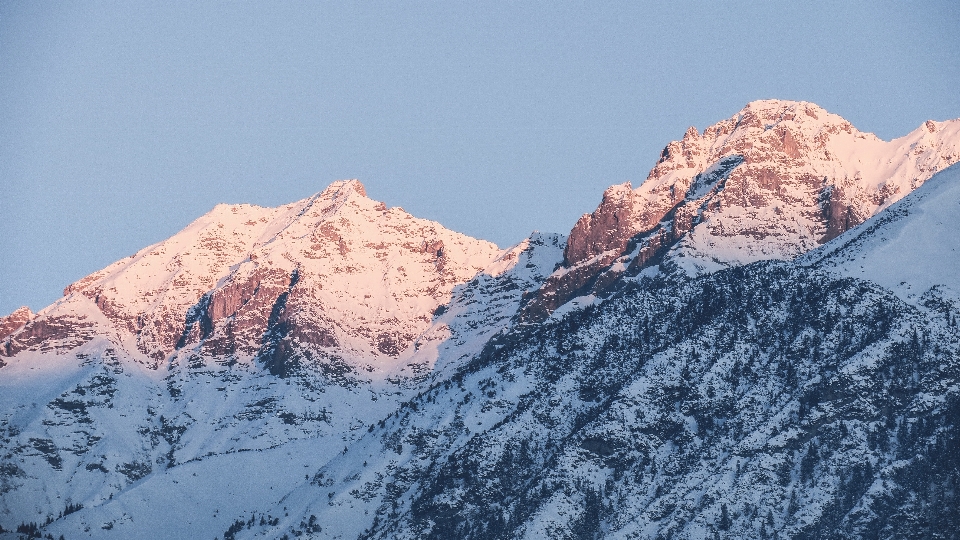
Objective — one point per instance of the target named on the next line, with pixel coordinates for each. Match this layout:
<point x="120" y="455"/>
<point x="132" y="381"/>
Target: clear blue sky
<point x="121" y="122"/>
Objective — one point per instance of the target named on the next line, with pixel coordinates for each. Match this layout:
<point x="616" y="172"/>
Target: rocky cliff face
<point x="777" y="179"/>
<point x="14" y="321"/>
<point x="10" y="324"/>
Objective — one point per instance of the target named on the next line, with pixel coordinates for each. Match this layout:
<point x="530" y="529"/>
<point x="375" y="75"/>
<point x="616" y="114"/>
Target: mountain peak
<point x="336" y="271"/>
<point x="802" y="118"/>
<point x="779" y="105"/>
<point x="776" y="107"/>
<point x="773" y="181"/>
<point x="343" y="187"/>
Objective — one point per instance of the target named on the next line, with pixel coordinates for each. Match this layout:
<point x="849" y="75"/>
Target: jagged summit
<point x="337" y="270"/>
<point x="774" y="108"/>
<point x="775" y="180"/>
<point x="773" y="152"/>
<point x="346" y="185"/>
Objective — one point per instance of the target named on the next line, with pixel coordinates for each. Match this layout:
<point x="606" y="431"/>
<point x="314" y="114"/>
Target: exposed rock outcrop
<point x="50" y="334"/>
<point x="15" y="320"/>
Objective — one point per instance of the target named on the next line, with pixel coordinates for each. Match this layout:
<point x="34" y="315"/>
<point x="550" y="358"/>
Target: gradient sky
<point x="121" y="122"/>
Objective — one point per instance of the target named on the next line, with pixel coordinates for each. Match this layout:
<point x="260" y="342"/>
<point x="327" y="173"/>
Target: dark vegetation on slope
<point x="760" y="401"/>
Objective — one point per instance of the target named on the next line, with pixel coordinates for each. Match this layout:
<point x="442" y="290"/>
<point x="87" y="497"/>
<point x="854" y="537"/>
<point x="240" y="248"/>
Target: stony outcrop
<point x="50" y="334"/>
<point x="607" y="229"/>
<point x="15" y="320"/>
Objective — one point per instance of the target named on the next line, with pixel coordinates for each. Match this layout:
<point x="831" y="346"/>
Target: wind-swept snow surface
<point x="911" y="249"/>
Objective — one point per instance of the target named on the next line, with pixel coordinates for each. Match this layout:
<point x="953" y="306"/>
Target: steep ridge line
<point x="793" y="177"/>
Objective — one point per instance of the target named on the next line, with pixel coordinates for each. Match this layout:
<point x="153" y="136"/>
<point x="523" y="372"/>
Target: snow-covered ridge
<point x="337" y="271"/>
<point x="911" y="249"/>
<point x="777" y="179"/>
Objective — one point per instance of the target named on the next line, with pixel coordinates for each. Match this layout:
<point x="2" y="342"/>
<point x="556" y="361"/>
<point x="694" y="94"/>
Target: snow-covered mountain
<point x="759" y="341"/>
<point x="777" y="399"/>
<point x="251" y="330"/>
<point x="335" y="272"/>
<point x="776" y="180"/>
